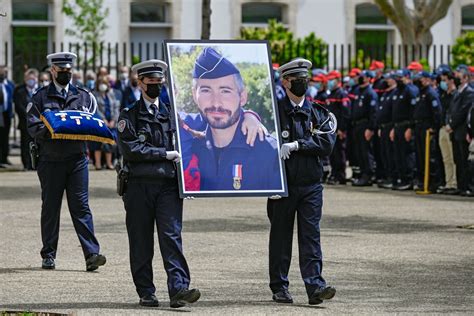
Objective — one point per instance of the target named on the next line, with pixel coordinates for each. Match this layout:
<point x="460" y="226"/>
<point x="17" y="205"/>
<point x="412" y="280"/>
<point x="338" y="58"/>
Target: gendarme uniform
<point x="298" y="123"/>
<point x="63" y="164"/>
<point x="145" y="134"/>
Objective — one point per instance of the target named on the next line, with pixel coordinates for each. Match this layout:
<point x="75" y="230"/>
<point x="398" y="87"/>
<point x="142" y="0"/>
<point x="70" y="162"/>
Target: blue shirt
<point x="259" y="164"/>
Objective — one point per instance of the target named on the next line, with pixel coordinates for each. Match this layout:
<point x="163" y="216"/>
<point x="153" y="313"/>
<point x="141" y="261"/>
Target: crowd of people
<point x="383" y="117"/>
<point x="386" y="119"/>
<point x="111" y="96"/>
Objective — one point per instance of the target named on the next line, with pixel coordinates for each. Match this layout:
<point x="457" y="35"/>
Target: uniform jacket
<point x="304" y="166"/>
<point x="364" y="106"/>
<point x="49" y="99"/>
<point x="428" y="108"/>
<point x="460" y="107"/>
<point x="320" y="98"/>
<point x="144" y="138"/>
<point x="404" y="102"/>
<point x="259" y="164"/>
<point x="339" y="104"/>
<point x="379" y="86"/>
<point x="384" y="108"/>
<point x="446" y="100"/>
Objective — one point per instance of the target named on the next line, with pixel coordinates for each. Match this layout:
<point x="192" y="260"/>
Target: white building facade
<point x="32" y="28"/>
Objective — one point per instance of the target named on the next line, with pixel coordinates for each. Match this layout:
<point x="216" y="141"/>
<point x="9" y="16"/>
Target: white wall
<point x="221" y="19"/>
<point x="191" y="13"/>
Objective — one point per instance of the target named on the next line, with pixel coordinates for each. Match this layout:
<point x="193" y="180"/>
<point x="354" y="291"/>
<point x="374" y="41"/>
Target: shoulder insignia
<point x="121" y="125"/>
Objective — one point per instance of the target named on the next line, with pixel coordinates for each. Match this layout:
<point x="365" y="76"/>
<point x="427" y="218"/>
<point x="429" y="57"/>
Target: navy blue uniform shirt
<point x="384" y="109"/>
<point x="364" y="106"/>
<point x="428" y="108"/>
<point x="259" y="164"/>
<point x="404" y="103"/>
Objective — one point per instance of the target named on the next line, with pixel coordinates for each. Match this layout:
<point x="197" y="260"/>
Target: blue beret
<point x="462" y="68"/>
<point x="368" y="74"/>
<point x="210" y="65"/>
<point x="425" y="74"/>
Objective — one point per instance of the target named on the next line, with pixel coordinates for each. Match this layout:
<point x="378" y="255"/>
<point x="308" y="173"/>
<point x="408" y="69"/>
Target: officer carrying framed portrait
<point x="226" y="117"/>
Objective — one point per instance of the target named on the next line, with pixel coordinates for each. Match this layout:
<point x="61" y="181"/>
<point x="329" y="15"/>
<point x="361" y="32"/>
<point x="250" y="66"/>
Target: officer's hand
<point x="341" y="134"/>
<point x="408" y="134"/>
<point x="173" y="155"/>
<point x="251" y="126"/>
<point x="449" y="129"/>
<point x="392" y="135"/>
<point x="287" y="148"/>
<point x="368" y="134"/>
<point x="275" y="197"/>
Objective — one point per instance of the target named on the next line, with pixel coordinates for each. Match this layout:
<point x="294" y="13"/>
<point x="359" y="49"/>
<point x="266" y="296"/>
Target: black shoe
<point x="149" y="301"/>
<point x="94" y="261"/>
<point x="48" y="263"/>
<point x="451" y="191"/>
<point x="403" y="187"/>
<point x="184" y="297"/>
<point x="362" y="182"/>
<point x="282" y="297"/>
<point x="467" y="193"/>
<point x="323" y="293"/>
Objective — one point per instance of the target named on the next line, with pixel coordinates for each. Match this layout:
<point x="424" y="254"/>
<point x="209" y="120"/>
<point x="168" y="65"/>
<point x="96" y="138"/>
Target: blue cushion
<point x="77" y="125"/>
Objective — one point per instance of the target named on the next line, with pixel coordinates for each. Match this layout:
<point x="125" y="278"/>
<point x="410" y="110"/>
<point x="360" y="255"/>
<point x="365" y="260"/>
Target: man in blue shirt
<point x="226" y="161"/>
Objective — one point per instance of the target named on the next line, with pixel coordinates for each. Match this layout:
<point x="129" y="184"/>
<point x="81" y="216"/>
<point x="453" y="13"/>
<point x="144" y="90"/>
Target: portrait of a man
<point x="218" y="156"/>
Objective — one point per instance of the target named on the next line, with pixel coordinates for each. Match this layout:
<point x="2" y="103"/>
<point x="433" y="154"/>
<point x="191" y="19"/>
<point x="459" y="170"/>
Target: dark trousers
<point x="403" y="155"/>
<point x="461" y="153"/>
<point x="25" y="140"/>
<point x="362" y="149"/>
<point x="307" y="202"/>
<point x="420" y="146"/>
<point x="73" y="176"/>
<point x="4" y="137"/>
<point x="338" y="160"/>
<point x="380" y="171"/>
<point x="147" y="205"/>
<point x="387" y="154"/>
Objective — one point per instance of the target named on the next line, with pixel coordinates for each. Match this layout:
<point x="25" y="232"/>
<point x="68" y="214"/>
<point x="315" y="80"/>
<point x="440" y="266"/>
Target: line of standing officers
<point x="384" y="118"/>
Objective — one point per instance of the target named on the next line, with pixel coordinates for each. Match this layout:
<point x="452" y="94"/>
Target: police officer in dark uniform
<point x="63" y="164"/>
<point x="385" y="125"/>
<point x="404" y="102"/>
<point x="339" y="104"/>
<point x="145" y="136"/>
<point x="308" y="134"/>
<point x="352" y="93"/>
<point x="427" y="117"/>
<point x="363" y="126"/>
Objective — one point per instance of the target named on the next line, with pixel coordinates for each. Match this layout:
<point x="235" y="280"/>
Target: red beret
<point x="333" y="75"/>
<point x="354" y="72"/>
<point x="414" y="65"/>
<point x="319" y="78"/>
<point x="376" y="65"/>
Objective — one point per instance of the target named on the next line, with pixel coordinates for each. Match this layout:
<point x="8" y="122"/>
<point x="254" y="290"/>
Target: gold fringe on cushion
<point x="75" y="137"/>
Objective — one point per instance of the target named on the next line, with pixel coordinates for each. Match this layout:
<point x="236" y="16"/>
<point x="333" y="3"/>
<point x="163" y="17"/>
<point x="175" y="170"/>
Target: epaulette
<point x="38" y="90"/>
<point x="129" y="107"/>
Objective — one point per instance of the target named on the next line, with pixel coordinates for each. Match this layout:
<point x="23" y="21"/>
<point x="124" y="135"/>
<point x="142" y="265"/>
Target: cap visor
<point x="153" y="75"/>
<point x="66" y="65"/>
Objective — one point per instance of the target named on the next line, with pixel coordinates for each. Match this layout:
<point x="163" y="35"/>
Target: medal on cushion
<point x="237" y="174"/>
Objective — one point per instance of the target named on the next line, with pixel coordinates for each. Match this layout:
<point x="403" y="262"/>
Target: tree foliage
<point x="255" y="77"/>
<point x="415" y="24"/>
<point x="89" y="17"/>
<point x="284" y="46"/>
<point x="463" y="50"/>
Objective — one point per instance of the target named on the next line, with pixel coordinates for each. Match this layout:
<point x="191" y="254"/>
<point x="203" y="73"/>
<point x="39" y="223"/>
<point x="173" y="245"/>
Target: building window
<point x="373" y="31"/>
<point x="30" y="11"/>
<point x="467" y="18"/>
<point x="32" y="28"/>
<point x="257" y="14"/>
<point x="149" y="12"/>
<point x="150" y="24"/>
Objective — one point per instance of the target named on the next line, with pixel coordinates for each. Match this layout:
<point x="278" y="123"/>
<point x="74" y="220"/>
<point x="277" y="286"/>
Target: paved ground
<point x="385" y="252"/>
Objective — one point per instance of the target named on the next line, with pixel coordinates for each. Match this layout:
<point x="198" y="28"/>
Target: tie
<point x="153" y="109"/>
<point x="64" y="93"/>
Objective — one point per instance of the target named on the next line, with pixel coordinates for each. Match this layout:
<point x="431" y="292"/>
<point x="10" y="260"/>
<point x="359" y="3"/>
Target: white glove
<point x="287" y="148"/>
<point x="275" y="197"/>
<point x="173" y="155"/>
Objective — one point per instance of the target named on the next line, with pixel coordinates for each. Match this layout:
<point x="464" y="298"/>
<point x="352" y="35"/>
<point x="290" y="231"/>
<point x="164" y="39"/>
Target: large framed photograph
<point x="222" y="94"/>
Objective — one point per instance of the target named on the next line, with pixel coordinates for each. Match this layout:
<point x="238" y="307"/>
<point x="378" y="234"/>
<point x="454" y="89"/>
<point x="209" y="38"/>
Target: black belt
<point x="402" y="124"/>
<point x="384" y="125"/>
<point x="422" y="121"/>
<point x="362" y="121"/>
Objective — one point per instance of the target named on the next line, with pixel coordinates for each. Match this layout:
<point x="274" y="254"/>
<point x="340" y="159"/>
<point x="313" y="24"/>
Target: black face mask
<point x="153" y="90"/>
<point x="299" y="87"/>
<point x="360" y="80"/>
<point x="400" y="84"/>
<point x="457" y="81"/>
<point x="63" y="77"/>
<point x="134" y="83"/>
